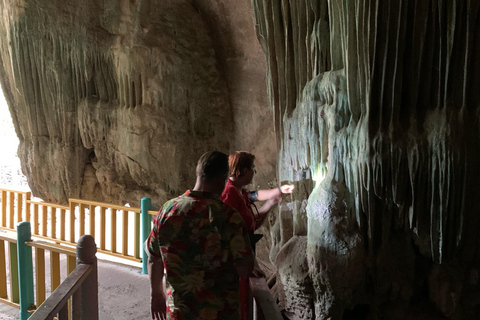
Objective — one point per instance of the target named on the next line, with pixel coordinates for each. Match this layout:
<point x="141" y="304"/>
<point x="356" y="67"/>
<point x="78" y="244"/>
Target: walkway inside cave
<point x="123" y="293"/>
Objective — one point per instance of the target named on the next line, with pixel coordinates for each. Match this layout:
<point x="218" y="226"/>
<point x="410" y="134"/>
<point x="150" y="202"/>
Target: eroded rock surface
<point x="370" y="106"/>
<point x="375" y="102"/>
<point x="116" y="100"/>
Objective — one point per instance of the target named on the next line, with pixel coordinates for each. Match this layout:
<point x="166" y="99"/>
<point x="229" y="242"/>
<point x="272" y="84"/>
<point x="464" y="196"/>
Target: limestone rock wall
<point x="376" y="113"/>
<point x="370" y="107"/>
<point x="116" y="100"/>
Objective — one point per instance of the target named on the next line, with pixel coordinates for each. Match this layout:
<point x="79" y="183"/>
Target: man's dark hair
<point x="212" y="164"/>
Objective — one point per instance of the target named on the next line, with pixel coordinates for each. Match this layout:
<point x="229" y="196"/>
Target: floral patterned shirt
<point x="200" y="239"/>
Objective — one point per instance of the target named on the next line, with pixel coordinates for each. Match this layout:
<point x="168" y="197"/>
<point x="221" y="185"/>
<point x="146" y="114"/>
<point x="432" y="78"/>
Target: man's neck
<point x="205" y="187"/>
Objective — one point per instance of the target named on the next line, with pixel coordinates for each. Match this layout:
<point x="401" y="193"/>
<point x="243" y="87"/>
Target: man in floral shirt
<point x="199" y="242"/>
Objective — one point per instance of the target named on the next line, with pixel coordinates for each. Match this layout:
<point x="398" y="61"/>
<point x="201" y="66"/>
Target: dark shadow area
<point x="359" y="312"/>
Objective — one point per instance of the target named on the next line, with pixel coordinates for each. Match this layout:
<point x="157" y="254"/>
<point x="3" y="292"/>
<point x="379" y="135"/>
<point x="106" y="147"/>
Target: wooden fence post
<point x="146" y="226"/>
<point x="25" y="269"/>
<point x="86" y="250"/>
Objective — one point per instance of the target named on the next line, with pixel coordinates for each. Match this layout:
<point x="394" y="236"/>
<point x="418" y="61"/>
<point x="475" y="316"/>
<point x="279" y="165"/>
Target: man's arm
<point x="158" y="304"/>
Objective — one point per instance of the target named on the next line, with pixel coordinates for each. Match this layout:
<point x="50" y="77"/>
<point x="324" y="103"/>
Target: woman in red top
<point x="242" y="170"/>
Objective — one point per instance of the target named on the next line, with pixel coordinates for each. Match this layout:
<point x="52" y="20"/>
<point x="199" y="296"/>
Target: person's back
<point x="194" y="233"/>
<point x="201" y="243"/>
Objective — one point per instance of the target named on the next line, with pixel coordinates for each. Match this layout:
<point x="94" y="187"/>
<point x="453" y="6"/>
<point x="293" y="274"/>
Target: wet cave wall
<point x="369" y="107"/>
<point x="376" y="110"/>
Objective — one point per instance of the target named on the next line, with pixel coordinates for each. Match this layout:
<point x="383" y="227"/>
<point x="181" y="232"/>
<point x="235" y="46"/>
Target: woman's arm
<point x="267" y="194"/>
<point x="265" y="209"/>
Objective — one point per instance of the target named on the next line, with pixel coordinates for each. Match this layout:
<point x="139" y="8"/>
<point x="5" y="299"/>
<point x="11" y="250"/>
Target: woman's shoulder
<point x="229" y="187"/>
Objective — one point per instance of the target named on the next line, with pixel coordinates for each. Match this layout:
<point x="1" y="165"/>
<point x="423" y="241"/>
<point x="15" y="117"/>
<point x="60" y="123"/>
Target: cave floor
<point x="123" y="293"/>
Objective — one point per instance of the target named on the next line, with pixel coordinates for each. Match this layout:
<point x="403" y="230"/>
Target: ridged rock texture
<point x="371" y="108"/>
<point x="376" y="110"/>
<point x="116" y="100"/>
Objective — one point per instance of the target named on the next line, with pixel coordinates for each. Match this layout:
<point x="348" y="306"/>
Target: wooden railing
<point x="9" y="294"/>
<point x="81" y="285"/>
<point x="120" y="230"/>
<point x="265" y="306"/>
<point x="115" y="226"/>
<point x="65" y="226"/>
<point x="14" y="208"/>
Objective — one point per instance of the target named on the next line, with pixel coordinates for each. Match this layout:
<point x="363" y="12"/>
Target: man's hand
<point x="158" y="307"/>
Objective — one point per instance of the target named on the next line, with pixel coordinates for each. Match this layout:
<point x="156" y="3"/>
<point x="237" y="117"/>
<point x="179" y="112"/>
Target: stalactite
<point x="390" y="111"/>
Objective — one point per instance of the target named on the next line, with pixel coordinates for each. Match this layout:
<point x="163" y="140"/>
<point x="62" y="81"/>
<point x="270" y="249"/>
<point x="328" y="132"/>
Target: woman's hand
<point x="287" y="188"/>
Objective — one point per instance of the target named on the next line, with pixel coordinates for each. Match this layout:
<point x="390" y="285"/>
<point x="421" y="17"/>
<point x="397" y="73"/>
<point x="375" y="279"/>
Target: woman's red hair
<point x="238" y="161"/>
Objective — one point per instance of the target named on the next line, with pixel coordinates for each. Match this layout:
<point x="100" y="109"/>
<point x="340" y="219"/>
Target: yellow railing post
<point x="54" y="269"/>
<point x="44" y="220"/>
<point x="4" y="208"/>
<point x="11" y="209"/>
<point x="35" y="218"/>
<point x="62" y="224"/>
<point x="102" y="228"/>
<point x="39" y="275"/>
<point x="28" y="196"/>
<point x="13" y="272"/>
<point x="71" y="263"/>
<point x="125" y="232"/>
<point x="81" y="219"/>
<point x="92" y="221"/>
<point x="3" y="271"/>
<point x="53" y="223"/>
<point x="113" y="232"/>
<point x="72" y="221"/>
<point x="136" y="235"/>
<point x="19" y="207"/>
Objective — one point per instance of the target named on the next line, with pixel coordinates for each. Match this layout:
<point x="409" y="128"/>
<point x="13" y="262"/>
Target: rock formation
<point x="116" y="100"/>
<point x="376" y="102"/>
<point x="370" y="107"/>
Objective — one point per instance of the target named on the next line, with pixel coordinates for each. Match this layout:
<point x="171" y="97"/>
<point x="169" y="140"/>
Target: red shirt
<point x="240" y="201"/>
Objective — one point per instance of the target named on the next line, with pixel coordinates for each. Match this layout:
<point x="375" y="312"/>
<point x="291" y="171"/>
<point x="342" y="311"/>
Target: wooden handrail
<point x="70" y="251"/>
<point x="81" y="285"/>
<point x="47" y="204"/>
<point x="52" y="306"/>
<point x="264" y="299"/>
<point x="8" y="235"/>
<point x="15" y="191"/>
<point x="106" y="205"/>
<point x="67" y="223"/>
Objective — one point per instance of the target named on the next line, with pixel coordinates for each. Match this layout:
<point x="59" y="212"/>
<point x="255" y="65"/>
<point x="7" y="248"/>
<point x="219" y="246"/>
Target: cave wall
<point x="369" y="107"/>
<point x="376" y="112"/>
<point x="110" y="98"/>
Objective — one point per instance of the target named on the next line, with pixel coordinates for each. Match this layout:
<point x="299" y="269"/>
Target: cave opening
<point x="11" y="175"/>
